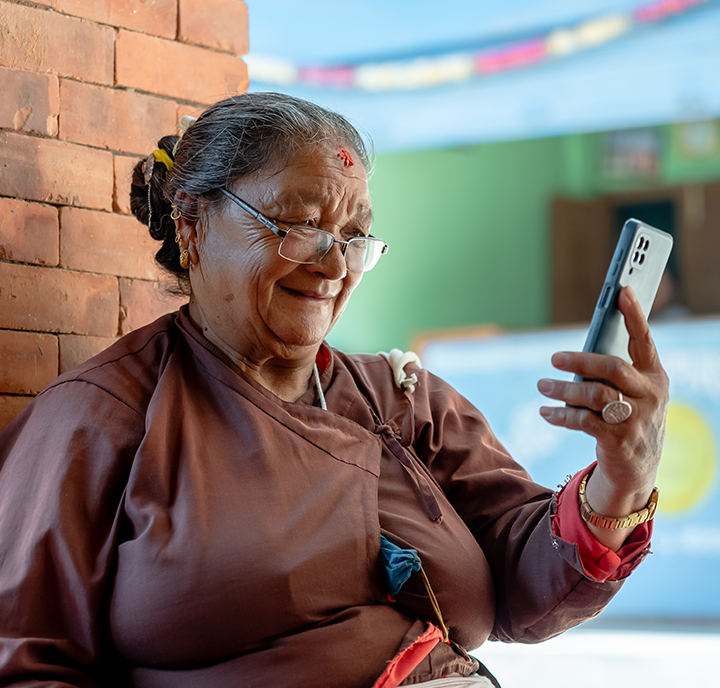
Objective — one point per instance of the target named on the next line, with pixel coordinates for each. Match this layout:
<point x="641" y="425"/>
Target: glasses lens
<point x="305" y="244"/>
<point x="309" y="245"/>
<point x="363" y="253"/>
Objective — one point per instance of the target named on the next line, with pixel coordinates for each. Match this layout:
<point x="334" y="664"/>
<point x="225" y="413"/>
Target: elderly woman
<point x="220" y="499"/>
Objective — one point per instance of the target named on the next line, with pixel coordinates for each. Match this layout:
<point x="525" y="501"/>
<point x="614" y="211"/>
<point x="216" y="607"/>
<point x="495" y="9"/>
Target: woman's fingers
<point x="627" y="452"/>
<point x="572" y="418"/>
<point x="643" y="384"/>
<point x="609" y="369"/>
<point x="585" y="402"/>
<point x="629" y="379"/>
<point x="589" y="394"/>
<point x="641" y="346"/>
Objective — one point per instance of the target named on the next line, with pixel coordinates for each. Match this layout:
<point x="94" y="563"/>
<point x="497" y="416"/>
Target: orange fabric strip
<point x="407" y="659"/>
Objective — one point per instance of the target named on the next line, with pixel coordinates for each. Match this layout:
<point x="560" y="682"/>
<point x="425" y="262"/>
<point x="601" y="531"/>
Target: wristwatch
<point x="612" y="522"/>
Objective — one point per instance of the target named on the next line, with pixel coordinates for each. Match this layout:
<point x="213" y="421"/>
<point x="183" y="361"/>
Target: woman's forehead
<point x="334" y="159"/>
<point x="297" y="192"/>
<point x="306" y="200"/>
<point x="313" y="179"/>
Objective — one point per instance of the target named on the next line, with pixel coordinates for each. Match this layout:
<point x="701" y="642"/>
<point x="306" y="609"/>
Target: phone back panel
<point x="639" y="262"/>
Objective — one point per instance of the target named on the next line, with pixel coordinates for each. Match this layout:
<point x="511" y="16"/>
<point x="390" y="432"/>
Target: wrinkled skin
<point x="628" y="453"/>
<point x="268" y="314"/>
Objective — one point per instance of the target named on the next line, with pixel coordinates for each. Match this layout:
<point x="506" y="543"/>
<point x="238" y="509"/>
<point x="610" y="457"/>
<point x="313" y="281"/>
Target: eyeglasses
<point x="310" y="245"/>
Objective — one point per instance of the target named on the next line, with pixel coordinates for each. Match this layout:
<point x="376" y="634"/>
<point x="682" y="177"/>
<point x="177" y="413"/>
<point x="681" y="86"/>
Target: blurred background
<point x="512" y="139"/>
<point x="512" y="142"/>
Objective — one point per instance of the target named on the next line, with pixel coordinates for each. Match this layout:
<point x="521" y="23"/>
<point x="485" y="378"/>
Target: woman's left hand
<point x="628" y="453"/>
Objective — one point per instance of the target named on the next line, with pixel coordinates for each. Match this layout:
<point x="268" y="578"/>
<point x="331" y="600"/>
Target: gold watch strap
<point x="612" y="522"/>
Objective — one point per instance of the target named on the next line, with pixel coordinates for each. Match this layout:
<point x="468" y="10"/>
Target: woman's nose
<point x="332" y="264"/>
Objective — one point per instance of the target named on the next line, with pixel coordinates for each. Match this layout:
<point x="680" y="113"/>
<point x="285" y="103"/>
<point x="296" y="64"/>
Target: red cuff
<point x="599" y="562"/>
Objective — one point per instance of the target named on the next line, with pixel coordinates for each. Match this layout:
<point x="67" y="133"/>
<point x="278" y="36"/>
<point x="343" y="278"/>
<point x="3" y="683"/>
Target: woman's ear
<point x="188" y="228"/>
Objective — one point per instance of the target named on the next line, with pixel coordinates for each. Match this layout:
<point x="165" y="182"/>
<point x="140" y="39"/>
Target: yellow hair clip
<point x="147" y="170"/>
<point x="163" y="157"/>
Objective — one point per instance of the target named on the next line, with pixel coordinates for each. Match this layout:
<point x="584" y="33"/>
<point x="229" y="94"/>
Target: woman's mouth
<point x="310" y="294"/>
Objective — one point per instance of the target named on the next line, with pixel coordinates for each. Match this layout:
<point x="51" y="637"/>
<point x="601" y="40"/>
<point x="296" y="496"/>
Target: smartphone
<point x="639" y="261"/>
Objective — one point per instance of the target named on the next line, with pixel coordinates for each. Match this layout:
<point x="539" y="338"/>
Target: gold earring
<point x="175" y="214"/>
<point x="178" y="238"/>
<point x="184" y="259"/>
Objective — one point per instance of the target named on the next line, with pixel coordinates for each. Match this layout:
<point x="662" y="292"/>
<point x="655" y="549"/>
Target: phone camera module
<point x="639" y="252"/>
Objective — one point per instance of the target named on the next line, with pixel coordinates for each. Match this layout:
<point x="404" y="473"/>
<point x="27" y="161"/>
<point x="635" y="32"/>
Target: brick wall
<point x="87" y="87"/>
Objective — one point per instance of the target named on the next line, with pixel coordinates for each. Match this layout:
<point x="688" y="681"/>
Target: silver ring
<point x="616" y="411"/>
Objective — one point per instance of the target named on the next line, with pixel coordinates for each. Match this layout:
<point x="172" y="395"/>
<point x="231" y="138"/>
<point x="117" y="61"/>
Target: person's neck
<point x="288" y="377"/>
<point x="286" y="383"/>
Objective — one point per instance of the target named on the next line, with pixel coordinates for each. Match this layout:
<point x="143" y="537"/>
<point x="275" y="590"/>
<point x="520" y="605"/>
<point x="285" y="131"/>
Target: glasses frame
<point x="282" y="233"/>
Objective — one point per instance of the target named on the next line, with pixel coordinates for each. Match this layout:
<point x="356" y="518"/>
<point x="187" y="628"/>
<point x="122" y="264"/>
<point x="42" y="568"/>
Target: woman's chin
<point x="303" y="338"/>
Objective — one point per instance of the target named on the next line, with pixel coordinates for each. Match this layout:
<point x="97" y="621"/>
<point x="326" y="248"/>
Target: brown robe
<point x="165" y="522"/>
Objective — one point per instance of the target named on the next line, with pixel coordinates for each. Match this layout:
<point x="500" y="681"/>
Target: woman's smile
<point x="311" y="295"/>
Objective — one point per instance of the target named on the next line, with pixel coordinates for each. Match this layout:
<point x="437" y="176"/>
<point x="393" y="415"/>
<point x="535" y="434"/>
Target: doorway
<point x="584" y="234"/>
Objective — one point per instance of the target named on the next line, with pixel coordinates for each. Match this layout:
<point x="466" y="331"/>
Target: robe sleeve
<point x="599" y="562"/>
<point x="541" y="586"/>
<point x="63" y="468"/>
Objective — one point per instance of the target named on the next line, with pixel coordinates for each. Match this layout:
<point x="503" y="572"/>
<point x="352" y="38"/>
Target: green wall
<point x="469" y="229"/>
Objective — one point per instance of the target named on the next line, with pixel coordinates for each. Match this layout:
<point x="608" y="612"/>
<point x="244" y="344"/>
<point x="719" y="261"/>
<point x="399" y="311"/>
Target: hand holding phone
<point x="628" y="448"/>
<point x="639" y="261"/>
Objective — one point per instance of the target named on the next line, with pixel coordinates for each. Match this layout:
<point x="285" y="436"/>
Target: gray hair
<point x="231" y="139"/>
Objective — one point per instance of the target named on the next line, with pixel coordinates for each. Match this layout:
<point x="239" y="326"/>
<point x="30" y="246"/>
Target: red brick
<point x="108" y="243"/>
<point x="29" y="232"/>
<point x="175" y="69"/>
<point x="123" y="166"/>
<point x="30" y="102"/>
<point x="55" y="171"/>
<point x="42" y="41"/>
<point x="76" y="349"/>
<point x="52" y="300"/>
<point x="158" y="17"/>
<point x="10" y="407"/>
<point x="221" y="24"/>
<point x="113" y="118"/>
<point x="28" y="361"/>
<point x="142" y="302"/>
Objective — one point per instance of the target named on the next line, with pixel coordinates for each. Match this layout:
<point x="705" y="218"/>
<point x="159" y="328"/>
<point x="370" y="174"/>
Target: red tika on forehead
<point x="345" y="157"/>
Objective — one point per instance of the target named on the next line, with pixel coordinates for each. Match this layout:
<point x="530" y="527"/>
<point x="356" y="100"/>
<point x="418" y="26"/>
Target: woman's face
<point x="252" y="301"/>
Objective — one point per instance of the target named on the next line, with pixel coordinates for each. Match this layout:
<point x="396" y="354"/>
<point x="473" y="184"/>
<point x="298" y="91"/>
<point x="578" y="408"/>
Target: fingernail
<point x="545" y="386"/>
<point x="545" y="411"/>
<point x="560" y="360"/>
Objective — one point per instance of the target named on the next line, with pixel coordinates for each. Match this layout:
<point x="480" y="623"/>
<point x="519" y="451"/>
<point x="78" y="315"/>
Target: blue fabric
<point x="399" y="564"/>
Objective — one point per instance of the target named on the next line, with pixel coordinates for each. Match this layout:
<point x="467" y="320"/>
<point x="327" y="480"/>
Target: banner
<point x="498" y="374"/>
